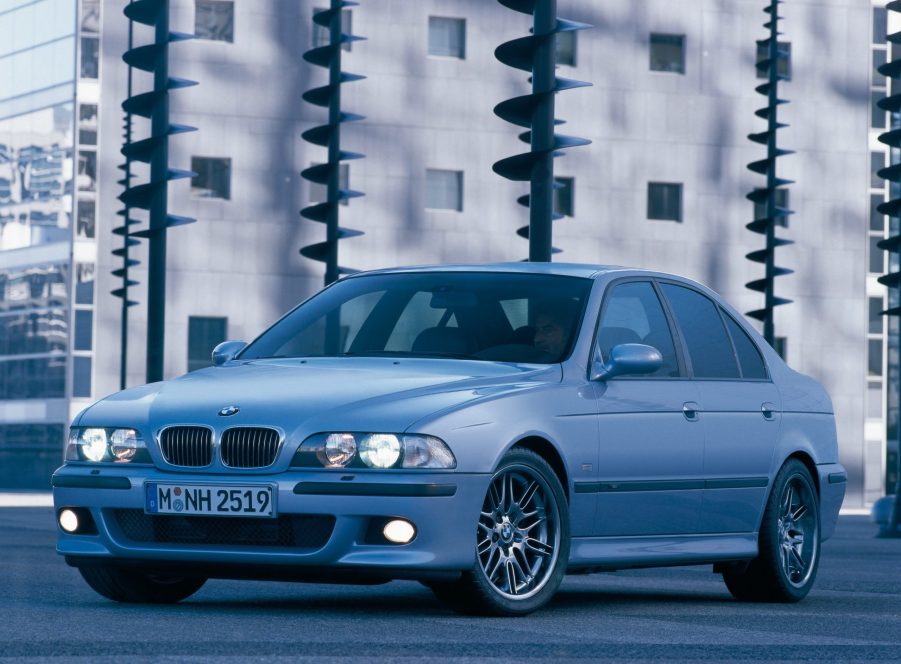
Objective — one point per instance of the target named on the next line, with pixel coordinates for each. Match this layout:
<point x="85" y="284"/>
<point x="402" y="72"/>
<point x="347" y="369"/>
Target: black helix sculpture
<point x="152" y="196"/>
<point x="892" y="244"/>
<point x="124" y="231"/>
<point x="329" y="137"/>
<point x="767" y="196"/>
<point x="536" y="54"/>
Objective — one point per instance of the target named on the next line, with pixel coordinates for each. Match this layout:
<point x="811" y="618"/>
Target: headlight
<point x="94" y="444"/>
<point x="373" y="450"/>
<point x="98" y="445"/>
<point x="380" y="450"/>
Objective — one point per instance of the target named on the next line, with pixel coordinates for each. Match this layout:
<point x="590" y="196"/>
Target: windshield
<point x="490" y="316"/>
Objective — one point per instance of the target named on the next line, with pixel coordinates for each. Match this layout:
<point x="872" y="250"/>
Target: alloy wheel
<point x="518" y="533"/>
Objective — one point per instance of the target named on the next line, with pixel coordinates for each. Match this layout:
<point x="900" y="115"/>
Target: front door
<point x="651" y="439"/>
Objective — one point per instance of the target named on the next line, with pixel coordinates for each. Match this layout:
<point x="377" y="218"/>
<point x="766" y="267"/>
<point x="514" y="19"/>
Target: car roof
<point x="564" y="269"/>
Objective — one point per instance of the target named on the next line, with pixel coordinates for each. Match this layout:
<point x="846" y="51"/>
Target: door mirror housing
<point x="226" y="351"/>
<point x="628" y="359"/>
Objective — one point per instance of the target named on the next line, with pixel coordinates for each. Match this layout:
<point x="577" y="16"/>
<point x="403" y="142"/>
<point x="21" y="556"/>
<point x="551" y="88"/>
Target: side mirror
<point x="628" y="359"/>
<point x="226" y="351"/>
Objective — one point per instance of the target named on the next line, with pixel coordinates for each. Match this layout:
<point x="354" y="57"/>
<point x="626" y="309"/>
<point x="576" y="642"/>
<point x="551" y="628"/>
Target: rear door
<point x="739" y="410"/>
<point x="651" y="446"/>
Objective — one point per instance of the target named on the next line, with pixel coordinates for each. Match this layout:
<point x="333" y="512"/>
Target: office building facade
<point x="662" y="185"/>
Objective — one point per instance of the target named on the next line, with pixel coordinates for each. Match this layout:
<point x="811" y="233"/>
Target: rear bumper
<point x="444" y="508"/>
<point x="832" y="480"/>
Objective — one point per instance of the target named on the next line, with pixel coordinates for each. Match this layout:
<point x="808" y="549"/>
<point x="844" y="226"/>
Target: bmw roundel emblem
<point x="228" y="410"/>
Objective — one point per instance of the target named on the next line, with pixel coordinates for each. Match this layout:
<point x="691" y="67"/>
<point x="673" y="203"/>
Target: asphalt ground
<point x="681" y="614"/>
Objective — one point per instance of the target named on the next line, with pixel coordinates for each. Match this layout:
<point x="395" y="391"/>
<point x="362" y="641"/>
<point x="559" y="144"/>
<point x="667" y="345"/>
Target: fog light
<point x="399" y="531"/>
<point x="68" y="521"/>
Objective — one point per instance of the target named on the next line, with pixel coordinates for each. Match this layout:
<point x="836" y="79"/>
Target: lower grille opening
<point x="289" y="531"/>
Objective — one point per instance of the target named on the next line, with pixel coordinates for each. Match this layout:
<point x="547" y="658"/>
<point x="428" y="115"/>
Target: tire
<point x="521" y="542"/>
<point x="133" y="587"/>
<point x="789" y="544"/>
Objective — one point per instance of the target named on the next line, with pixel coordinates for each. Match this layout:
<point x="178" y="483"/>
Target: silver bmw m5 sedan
<point x="483" y="429"/>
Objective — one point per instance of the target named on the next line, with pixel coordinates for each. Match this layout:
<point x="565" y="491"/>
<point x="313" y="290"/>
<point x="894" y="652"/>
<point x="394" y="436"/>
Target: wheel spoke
<point x="789" y="499"/>
<point x="527" y="529"/>
<point x="798" y="561"/>
<point x="508" y="492"/>
<point x="497" y="564"/>
<point x="528" y="494"/>
<point x="511" y="580"/>
<point x="799" y="512"/>
<point x="484" y="546"/>
<point x="494" y="496"/>
<point x="538" y="547"/>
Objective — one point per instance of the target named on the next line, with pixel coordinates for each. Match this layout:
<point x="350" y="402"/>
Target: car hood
<point x="318" y="394"/>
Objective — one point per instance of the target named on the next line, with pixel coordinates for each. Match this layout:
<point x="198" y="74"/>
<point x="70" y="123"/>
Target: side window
<point x="702" y="328"/>
<point x="749" y="358"/>
<point x="633" y="315"/>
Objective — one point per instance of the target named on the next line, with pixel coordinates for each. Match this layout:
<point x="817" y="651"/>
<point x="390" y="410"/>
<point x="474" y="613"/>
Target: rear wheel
<point x="786" y="567"/>
<point x="131" y="586"/>
<point x="521" y="542"/>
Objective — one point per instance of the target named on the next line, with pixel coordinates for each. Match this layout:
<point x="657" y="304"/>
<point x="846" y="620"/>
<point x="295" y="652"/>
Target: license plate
<point x="207" y="499"/>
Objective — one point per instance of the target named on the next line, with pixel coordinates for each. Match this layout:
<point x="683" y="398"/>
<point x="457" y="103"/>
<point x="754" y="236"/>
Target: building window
<point x="877" y="115"/>
<point x="204" y="334"/>
<point x="874" y="357"/>
<point x="878" y="60"/>
<point x="87" y="170"/>
<point x="321" y="32"/>
<point x="564" y="196"/>
<point x="566" y="48"/>
<point x="84" y="223"/>
<point x="877" y="163"/>
<point x="880" y="25"/>
<point x="877" y="256"/>
<point x="90" y="57"/>
<point x="877" y="219"/>
<point x="443" y="190"/>
<point x="783" y="67"/>
<point x="665" y="201"/>
<point x="83" y="329"/>
<point x="84" y="283"/>
<point x="214" y="20"/>
<point x="876" y="308"/>
<point x="447" y="37"/>
<point x="81" y="376"/>
<point x="668" y="53"/>
<point x="319" y="192"/>
<point x="213" y="179"/>
<point x="782" y="201"/>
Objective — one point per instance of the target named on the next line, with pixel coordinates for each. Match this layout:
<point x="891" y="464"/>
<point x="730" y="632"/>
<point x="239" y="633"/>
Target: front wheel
<point x="786" y="567"/>
<point x="521" y="542"/>
<point x="122" y="584"/>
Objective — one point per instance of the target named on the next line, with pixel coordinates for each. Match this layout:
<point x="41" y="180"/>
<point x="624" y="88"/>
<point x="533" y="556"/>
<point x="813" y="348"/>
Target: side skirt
<point x="612" y="553"/>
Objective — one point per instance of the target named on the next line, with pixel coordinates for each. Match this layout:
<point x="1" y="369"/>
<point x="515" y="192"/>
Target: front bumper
<point x="444" y="508"/>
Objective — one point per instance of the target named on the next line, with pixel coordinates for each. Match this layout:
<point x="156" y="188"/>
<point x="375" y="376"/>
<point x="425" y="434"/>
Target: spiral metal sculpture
<point x="537" y="54"/>
<point x="152" y="196"/>
<point x="892" y="244"/>
<point x="766" y="196"/>
<point x="127" y="240"/>
<point x="329" y="137"/>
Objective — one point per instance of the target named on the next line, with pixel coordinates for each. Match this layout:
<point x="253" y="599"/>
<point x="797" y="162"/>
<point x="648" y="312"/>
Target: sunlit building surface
<point x="662" y="186"/>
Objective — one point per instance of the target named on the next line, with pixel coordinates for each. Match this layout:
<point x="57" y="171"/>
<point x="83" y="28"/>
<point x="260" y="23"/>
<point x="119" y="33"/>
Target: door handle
<point x="690" y="409"/>
<point x="769" y="410"/>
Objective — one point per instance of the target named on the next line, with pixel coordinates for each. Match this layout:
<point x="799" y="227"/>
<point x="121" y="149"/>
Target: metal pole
<point x="334" y="149"/>
<point x="772" y="126"/>
<point x="123" y="347"/>
<point x="541" y="192"/>
<point x="159" y="165"/>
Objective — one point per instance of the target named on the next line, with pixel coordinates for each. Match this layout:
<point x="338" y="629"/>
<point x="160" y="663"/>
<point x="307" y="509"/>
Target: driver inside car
<point x="553" y="327"/>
